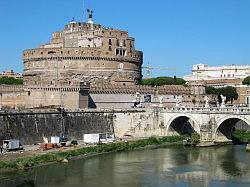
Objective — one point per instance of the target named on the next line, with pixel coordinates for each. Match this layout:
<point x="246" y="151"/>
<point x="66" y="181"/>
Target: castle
<point x="84" y="52"/>
<point x="87" y="65"/>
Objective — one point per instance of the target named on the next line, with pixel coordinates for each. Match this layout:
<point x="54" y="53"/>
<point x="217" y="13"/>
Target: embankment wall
<point x="31" y="127"/>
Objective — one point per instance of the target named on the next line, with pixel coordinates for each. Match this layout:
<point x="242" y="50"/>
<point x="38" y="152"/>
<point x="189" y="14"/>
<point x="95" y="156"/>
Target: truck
<point x="91" y="138"/>
<point x="12" y="145"/>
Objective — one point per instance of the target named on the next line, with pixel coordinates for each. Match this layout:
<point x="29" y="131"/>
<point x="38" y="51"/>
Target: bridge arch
<point x="226" y="126"/>
<point x="182" y="124"/>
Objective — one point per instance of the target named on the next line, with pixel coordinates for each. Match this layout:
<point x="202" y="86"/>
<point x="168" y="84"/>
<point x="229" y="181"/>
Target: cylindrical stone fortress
<point x="84" y="52"/>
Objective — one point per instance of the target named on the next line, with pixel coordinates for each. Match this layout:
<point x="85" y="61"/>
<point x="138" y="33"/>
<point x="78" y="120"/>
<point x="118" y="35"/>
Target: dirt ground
<point x="31" y="150"/>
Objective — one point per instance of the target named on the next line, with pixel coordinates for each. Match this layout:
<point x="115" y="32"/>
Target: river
<point x="170" y="166"/>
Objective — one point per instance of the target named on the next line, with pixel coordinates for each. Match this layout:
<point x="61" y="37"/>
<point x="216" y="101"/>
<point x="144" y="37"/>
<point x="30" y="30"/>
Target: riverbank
<point x="61" y="155"/>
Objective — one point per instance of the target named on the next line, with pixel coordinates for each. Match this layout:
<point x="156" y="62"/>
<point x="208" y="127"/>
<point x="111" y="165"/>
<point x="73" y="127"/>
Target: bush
<point x="195" y="138"/>
<point x="242" y="136"/>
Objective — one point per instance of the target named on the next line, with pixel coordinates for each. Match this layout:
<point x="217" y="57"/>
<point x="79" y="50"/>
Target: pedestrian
<point x="1" y="149"/>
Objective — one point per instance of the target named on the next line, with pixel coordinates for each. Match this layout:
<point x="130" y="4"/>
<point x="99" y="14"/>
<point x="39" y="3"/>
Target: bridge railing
<point x="226" y="110"/>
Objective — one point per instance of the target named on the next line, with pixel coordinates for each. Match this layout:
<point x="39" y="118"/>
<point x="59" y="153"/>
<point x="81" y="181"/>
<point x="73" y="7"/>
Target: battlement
<point x="11" y="88"/>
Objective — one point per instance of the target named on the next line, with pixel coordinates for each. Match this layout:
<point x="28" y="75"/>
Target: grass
<point x="27" y="162"/>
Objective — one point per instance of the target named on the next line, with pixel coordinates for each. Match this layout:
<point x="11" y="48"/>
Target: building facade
<point x="231" y="75"/>
<point x="205" y="72"/>
<point x="10" y="73"/>
<point x="84" y="52"/>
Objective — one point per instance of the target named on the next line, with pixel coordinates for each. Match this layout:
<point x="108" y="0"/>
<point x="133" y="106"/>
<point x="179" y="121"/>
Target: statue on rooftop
<point x="90" y="12"/>
<point x="206" y="99"/>
<point x="223" y="100"/>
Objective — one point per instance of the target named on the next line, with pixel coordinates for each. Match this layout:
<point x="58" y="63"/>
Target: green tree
<point x="246" y="81"/>
<point x="210" y="90"/>
<point x="229" y="91"/>
<point x="11" y="81"/>
<point x="159" y="81"/>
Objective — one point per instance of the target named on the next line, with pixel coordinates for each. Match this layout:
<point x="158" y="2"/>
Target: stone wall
<point x="73" y="97"/>
<point x="12" y="96"/>
<point x="31" y="127"/>
<point x="55" y="97"/>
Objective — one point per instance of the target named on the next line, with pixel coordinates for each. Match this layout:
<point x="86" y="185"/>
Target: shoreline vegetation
<point x="241" y="136"/>
<point x="64" y="156"/>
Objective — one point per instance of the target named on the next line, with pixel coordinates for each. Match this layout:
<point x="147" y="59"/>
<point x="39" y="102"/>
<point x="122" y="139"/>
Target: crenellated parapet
<point x="142" y="89"/>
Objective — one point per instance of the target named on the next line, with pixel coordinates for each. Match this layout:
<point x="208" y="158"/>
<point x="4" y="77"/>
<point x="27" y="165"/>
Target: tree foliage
<point x="11" y="81"/>
<point x="229" y="91"/>
<point x="246" y="81"/>
<point x="241" y="135"/>
<point x="159" y="81"/>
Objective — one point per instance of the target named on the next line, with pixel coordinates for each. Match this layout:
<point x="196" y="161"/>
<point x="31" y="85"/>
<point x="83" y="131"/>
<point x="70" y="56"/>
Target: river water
<point x="170" y="166"/>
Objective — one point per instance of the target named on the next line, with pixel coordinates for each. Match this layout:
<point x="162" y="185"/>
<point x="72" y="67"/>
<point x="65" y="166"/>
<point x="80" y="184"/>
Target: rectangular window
<point x="110" y="42"/>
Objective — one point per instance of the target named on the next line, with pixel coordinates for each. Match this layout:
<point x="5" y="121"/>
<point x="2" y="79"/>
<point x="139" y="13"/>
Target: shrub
<point x="195" y="138"/>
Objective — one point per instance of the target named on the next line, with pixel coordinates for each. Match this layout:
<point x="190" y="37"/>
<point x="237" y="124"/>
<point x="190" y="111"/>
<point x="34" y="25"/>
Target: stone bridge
<point x="213" y="124"/>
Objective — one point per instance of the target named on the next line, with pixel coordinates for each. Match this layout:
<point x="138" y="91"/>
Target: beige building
<point x="243" y="95"/>
<point x="230" y="75"/>
<point x="84" y="52"/>
<point x="205" y="72"/>
<point x="10" y="73"/>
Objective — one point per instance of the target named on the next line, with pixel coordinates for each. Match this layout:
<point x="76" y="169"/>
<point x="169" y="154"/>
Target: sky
<point x="171" y="33"/>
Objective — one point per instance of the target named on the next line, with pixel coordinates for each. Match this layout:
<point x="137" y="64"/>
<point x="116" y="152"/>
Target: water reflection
<point x="172" y="166"/>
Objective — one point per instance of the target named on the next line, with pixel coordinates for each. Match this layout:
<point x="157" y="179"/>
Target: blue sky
<point x="171" y="33"/>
